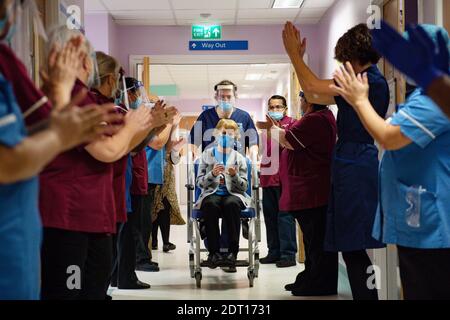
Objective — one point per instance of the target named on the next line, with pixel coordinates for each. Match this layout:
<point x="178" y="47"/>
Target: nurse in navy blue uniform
<point x="354" y="188"/>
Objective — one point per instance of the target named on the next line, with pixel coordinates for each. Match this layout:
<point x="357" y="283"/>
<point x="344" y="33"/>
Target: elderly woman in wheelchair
<point x="222" y="178"/>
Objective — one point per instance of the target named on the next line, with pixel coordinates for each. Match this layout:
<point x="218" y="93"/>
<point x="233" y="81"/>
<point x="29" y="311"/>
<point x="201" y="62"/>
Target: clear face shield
<point x="135" y="96"/>
<point x="60" y="36"/>
<point x="226" y="98"/>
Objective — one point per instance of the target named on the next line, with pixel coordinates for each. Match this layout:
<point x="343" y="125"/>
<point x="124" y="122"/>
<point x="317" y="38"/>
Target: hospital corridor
<point x="224" y="158"/>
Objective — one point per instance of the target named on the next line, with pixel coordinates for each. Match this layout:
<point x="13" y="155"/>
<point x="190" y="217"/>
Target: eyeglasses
<point x="279" y="107"/>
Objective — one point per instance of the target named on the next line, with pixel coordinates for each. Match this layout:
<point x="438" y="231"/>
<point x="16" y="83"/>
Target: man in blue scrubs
<point x="201" y="133"/>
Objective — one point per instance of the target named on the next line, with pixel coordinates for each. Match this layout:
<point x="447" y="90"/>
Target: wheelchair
<point x="194" y="234"/>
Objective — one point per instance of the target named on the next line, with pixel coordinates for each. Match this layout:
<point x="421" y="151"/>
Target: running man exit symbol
<point x="201" y="32"/>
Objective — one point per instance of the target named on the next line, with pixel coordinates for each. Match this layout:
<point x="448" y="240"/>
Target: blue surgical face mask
<point x="277" y="116"/>
<point x="226" y="141"/>
<point x="225" y="106"/>
<point x="119" y="98"/>
<point x="136" y="104"/>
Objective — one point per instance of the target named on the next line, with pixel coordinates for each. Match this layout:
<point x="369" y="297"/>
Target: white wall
<point x="343" y="15"/>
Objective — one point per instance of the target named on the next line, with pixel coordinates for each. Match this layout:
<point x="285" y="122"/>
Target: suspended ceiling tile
<point x="136" y="4"/>
<point x="203" y="4"/>
<point x="255" y="4"/>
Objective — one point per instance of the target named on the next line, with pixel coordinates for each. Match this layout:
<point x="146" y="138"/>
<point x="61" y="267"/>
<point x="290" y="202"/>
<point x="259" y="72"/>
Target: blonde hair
<point x="228" y="124"/>
<point x="106" y="65"/>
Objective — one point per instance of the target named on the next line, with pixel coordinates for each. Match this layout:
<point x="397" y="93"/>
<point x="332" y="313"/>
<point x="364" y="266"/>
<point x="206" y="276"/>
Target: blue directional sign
<point x="218" y="45"/>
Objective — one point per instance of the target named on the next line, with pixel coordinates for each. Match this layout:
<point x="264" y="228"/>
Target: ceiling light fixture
<point x="287" y="4"/>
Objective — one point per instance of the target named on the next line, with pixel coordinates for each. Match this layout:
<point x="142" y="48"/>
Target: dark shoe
<point x="113" y="283"/>
<point x="138" y="285"/>
<point x="154" y="247"/>
<point x="229" y="261"/>
<point x="298" y="281"/>
<point x="147" y="267"/>
<point x="214" y="260"/>
<point x="303" y="292"/>
<point x="286" y="263"/>
<point x="168" y="247"/>
<point x="269" y="260"/>
<point x="154" y="263"/>
<point x="229" y="269"/>
<point x="245" y="228"/>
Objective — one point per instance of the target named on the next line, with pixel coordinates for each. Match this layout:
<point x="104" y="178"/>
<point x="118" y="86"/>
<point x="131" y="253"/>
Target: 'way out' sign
<point x="200" y="32"/>
<point x="218" y="45"/>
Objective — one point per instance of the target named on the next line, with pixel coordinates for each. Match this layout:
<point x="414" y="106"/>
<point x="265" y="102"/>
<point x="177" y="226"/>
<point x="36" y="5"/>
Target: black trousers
<point x="125" y="264"/>
<point x="425" y="273"/>
<point x="163" y="222"/>
<point x="115" y="240"/>
<point x="358" y="270"/>
<point x="271" y="197"/>
<point x="142" y="231"/>
<point x="321" y="267"/>
<point x="75" y="265"/>
<point x="229" y="209"/>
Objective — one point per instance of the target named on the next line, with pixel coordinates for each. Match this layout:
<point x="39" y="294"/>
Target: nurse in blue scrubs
<point x="22" y="157"/>
<point x="414" y="207"/>
<point x="354" y="175"/>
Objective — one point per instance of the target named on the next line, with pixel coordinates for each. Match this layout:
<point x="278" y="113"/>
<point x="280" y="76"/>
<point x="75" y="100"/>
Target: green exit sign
<point x="200" y="32"/>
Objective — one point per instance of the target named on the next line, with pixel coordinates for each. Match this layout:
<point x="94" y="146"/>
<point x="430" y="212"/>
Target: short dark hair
<point x="316" y="107"/>
<point x="277" y="97"/>
<point x="356" y="45"/>
<point x="225" y="83"/>
<point x="132" y="84"/>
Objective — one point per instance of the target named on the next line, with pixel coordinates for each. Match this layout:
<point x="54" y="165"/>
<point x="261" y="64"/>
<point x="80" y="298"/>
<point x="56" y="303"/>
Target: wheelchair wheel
<point x="251" y="278"/>
<point x="191" y="265"/>
<point x="198" y="279"/>
<point x="256" y="265"/>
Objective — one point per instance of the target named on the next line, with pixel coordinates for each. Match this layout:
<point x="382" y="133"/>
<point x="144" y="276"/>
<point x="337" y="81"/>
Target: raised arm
<point x="316" y="90"/>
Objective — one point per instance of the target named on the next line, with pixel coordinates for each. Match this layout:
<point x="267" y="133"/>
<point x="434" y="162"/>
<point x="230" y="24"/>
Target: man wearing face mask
<point x="305" y="166"/>
<point x="201" y="132"/>
<point x="280" y="228"/>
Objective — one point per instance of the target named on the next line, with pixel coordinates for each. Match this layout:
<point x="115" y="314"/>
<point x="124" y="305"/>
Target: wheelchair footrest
<point x="239" y="263"/>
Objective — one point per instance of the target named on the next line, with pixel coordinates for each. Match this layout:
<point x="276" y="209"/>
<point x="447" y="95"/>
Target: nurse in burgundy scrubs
<point x="77" y="198"/>
<point x="24" y="154"/>
<point x="305" y="171"/>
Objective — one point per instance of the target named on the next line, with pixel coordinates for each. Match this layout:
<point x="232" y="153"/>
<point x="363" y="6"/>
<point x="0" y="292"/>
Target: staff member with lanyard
<point x="353" y="202"/>
<point x="305" y="169"/>
<point x="280" y="227"/>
